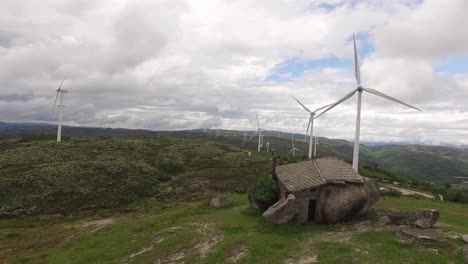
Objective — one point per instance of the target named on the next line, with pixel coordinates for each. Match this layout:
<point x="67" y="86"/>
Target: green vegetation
<point x="43" y="177"/>
<point x="266" y="190"/>
<point x="198" y="233"/>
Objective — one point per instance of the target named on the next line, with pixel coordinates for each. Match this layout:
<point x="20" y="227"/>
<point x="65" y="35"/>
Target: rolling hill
<point x="434" y="164"/>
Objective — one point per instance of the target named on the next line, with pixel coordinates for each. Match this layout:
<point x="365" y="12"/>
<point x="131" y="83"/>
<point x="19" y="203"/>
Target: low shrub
<point x="266" y="189"/>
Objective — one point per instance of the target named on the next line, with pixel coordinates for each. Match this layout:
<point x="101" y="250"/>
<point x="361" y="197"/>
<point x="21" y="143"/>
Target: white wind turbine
<point x="60" y="106"/>
<point x="260" y="135"/>
<point x="359" y="89"/>
<point x="311" y="124"/>
<point x="293" y="149"/>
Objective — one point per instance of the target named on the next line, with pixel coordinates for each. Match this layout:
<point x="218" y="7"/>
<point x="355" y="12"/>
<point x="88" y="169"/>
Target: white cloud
<point x="184" y="64"/>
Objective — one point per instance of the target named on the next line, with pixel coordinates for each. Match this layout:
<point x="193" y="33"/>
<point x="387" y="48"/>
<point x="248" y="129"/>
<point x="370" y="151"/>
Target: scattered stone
<point x="282" y="211"/>
<point x="420" y="218"/>
<point x="465" y="253"/>
<point x="363" y="225"/>
<point x="220" y="202"/>
<point x="415" y="236"/>
<point x="465" y="238"/>
<point x="383" y="220"/>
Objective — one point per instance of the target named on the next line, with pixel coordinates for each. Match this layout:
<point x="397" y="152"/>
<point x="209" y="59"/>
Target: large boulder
<point x="420" y="218"/>
<point x="373" y="194"/>
<point x="282" y="211"/>
<point x="220" y="202"/>
<point x="465" y="238"/>
<point x="341" y="202"/>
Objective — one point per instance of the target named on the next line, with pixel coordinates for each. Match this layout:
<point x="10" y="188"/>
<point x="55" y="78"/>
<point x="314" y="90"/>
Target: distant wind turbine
<point x="293" y="149"/>
<point x="359" y="90"/>
<point x="60" y="106"/>
<point x="311" y="124"/>
<point x="259" y="131"/>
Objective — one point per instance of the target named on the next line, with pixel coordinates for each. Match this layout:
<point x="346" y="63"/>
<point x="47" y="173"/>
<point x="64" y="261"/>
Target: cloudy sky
<point x="184" y="64"/>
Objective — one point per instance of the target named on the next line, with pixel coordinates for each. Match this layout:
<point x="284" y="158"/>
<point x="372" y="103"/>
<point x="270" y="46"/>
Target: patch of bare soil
<point x="177" y="257"/>
<point x="337" y="237"/>
<point x="304" y="259"/>
<point x="209" y="239"/>
<point x="98" y="224"/>
<point x="157" y="238"/>
<point x="148" y="247"/>
<point x="238" y="254"/>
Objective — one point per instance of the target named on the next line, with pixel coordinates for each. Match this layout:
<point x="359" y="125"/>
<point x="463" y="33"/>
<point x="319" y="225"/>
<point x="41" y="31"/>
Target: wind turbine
<point x="315" y="145"/>
<point x="359" y="89"/>
<point x="311" y="124"/>
<point x="260" y="135"/>
<point x="293" y="149"/>
<point x="59" y="96"/>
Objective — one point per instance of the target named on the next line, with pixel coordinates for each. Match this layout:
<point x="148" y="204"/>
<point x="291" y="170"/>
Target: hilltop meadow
<point x="146" y="198"/>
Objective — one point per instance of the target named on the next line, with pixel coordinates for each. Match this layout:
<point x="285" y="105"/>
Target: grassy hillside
<point x="428" y="163"/>
<point x="194" y="232"/>
<point x="43" y="177"/>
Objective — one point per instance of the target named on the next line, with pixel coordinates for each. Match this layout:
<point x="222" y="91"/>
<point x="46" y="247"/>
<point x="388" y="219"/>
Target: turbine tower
<point x="293" y="149"/>
<point x="360" y="89"/>
<point x="311" y="124"/>
<point x="60" y="106"/>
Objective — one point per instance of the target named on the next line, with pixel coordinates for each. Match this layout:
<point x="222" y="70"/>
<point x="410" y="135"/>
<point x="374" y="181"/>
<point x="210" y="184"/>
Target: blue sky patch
<point x="295" y="67"/>
<point x="454" y="65"/>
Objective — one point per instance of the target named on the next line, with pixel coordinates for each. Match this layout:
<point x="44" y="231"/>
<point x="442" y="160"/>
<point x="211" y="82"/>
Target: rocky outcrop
<point x="421" y="218"/>
<point x="220" y="202"/>
<point x="283" y="211"/>
<point x="406" y="235"/>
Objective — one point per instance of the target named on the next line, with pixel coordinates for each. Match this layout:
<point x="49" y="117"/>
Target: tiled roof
<point x="314" y="173"/>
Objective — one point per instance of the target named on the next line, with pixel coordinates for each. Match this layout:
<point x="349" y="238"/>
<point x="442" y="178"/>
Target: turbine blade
<point x="307" y="109"/>
<point x="349" y="95"/>
<point x="256" y="132"/>
<point x="357" y="71"/>
<point x="318" y="109"/>
<point x="290" y="151"/>
<point x="299" y="150"/>
<point x="375" y="92"/>
<point x="55" y="102"/>
<point x="307" y="131"/>
<point x="258" y="124"/>
<point x="60" y="86"/>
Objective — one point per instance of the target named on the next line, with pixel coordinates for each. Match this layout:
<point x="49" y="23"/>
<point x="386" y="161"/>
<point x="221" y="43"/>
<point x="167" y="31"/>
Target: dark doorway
<point x="312" y="205"/>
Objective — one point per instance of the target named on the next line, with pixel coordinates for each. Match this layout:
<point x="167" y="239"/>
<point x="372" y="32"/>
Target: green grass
<point x="181" y="226"/>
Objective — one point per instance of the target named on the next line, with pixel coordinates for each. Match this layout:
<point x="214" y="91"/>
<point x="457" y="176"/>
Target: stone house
<point x="324" y="190"/>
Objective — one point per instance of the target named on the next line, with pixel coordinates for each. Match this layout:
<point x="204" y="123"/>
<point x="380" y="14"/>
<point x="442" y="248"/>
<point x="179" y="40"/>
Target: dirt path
<point x="406" y="192"/>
